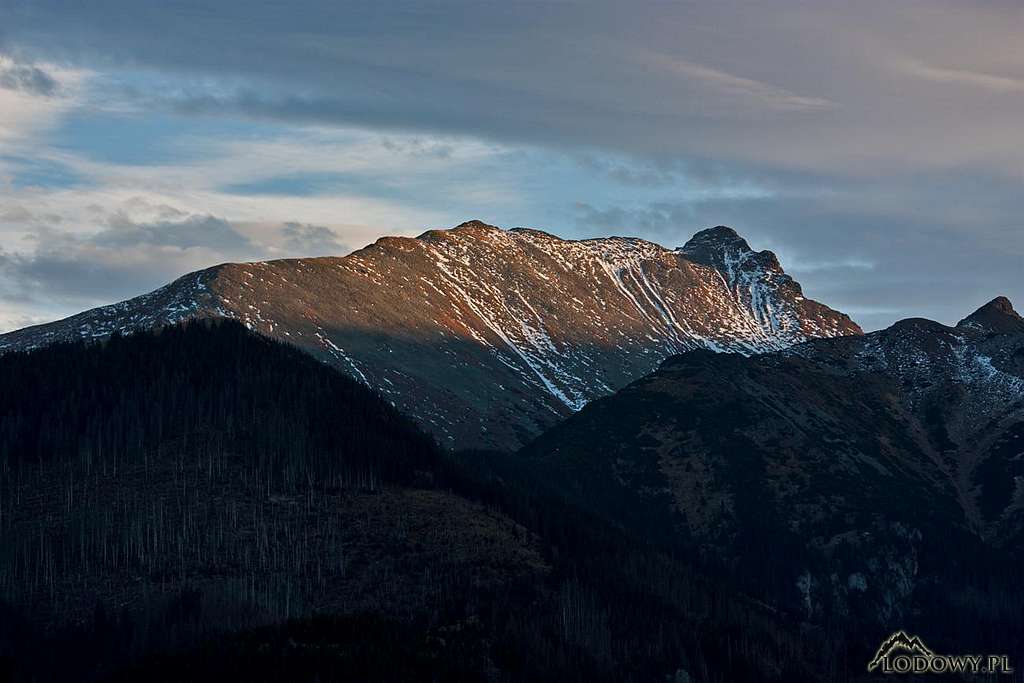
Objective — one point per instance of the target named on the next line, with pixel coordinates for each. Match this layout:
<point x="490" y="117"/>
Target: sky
<point x="876" y="147"/>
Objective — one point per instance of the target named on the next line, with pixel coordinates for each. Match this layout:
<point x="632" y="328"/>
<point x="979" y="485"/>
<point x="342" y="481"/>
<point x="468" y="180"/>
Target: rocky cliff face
<point x="868" y="477"/>
<point x="488" y="336"/>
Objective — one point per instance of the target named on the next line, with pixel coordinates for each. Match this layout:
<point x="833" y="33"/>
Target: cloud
<point x="519" y="73"/>
<point x="14" y="319"/>
<point x="125" y="257"/>
<point x="32" y="98"/>
<point x="15" y="214"/>
<point x="312" y="240"/>
<point x="793" y="85"/>
<point x="190" y="232"/>
<point x="746" y="90"/>
<point x="661" y="220"/>
<point x="26" y="78"/>
<point x="974" y="79"/>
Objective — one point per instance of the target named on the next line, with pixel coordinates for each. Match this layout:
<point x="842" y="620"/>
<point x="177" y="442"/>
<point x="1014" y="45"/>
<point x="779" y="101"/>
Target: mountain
<point x="203" y="503"/>
<point x="875" y="480"/>
<point x="210" y="458"/>
<point x="486" y="336"/>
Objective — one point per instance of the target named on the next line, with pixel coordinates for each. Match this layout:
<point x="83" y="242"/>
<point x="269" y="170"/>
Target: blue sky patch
<point x="151" y="139"/>
<point x="42" y="173"/>
<point x="296" y="185"/>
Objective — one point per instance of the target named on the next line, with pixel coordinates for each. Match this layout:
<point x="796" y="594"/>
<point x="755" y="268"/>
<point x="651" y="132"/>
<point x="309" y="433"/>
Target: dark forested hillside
<point x="161" y="488"/>
<point x="202" y="500"/>
<point x="202" y="503"/>
<point x="116" y="406"/>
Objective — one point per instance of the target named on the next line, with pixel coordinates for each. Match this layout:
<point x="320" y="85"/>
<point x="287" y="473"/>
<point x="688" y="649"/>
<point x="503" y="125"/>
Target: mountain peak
<point x="1001" y="305"/>
<point x="471" y="228"/>
<point x="997" y="315"/>
<point x="718" y="236"/>
<point x="724" y="249"/>
<point x="476" y="224"/>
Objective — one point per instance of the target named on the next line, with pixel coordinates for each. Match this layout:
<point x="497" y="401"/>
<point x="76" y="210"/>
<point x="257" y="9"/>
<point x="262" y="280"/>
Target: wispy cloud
<point x="751" y="91"/>
<point x="967" y="77"/>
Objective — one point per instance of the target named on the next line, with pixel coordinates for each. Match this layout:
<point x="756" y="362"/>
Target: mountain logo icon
<point x="896" y="643"/>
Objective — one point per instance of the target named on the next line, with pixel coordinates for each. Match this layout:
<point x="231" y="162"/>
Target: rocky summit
<point x="488" y="336"/>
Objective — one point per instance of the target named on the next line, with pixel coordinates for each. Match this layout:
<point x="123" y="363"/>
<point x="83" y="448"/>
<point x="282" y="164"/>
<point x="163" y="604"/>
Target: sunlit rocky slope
<point x="487" y="336"/>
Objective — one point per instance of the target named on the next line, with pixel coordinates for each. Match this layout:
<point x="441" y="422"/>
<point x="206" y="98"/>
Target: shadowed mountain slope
<point x="874" y="480"/>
